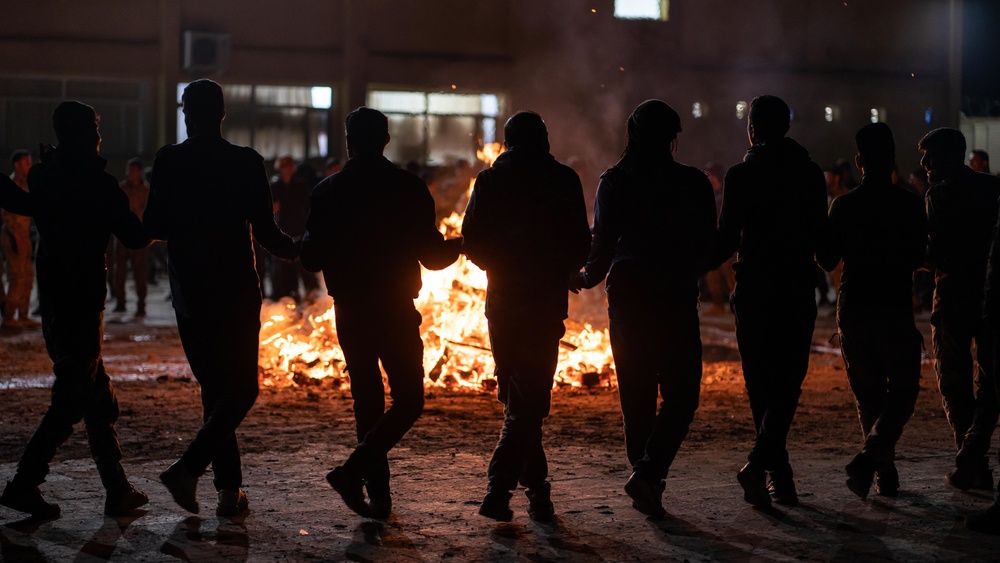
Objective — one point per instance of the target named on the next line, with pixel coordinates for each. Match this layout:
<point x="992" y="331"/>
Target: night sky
<point x="981" y="55"/>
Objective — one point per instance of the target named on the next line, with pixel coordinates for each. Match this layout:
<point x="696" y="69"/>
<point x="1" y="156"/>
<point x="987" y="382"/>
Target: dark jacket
<point x="370" y="227"/>
<point x="661" y="219"/>
<point x="206" y="195"/>
<point x="78" y="206"/>
<point x="13" y="198"/>
<point x="774" y="212"/>
<point x="961" y="217"/>
<point x="879" y="230"/>
<point x="526" y="225"/>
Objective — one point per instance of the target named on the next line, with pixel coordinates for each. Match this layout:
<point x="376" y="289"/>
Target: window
<point x="642" y="9"/>
<point x="877" y="115"/>
<point x="436" y="128"/>
<point x="26" y="112"/>
<point x="741" y="109"/>
<point x="274" y="120"/>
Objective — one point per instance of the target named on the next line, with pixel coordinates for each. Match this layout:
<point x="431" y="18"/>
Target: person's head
<point x="367" y="132"/>
<point x="286" y="168"/>
<point x="204" y="107"/>
<point x="21" y="161"/>
<point x="525" y="129"/>
<point x="876" y="150"/>
<point x="76" y="125"/>
<point x="943" y="153"/>
<point x="134" y="171"/>
<point x="652" y="128"/>
<point x="769" y="119"/>
<point x="979" y="160"/>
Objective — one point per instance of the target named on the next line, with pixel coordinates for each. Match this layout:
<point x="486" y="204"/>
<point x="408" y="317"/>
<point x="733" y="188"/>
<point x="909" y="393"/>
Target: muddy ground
<point x="295" y="435"/>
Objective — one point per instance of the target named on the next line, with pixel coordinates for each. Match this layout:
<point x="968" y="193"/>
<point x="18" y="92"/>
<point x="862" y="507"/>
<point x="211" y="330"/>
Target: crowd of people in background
<point x="772" y="238"/>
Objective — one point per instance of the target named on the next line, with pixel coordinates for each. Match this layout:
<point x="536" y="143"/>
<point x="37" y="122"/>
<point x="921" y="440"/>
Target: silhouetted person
<point x="290" y="191"/>
<point x="206" y="196"/>
<point x="979" y="160"/>
<point x="16" y="242"/>
<point x="526" y="226"/>
<point x="774" y="211"/>
<point x="370" y="227"/>
<point x="137" y="189"/>
<point x="989" y="520"/>
<point x="961" y="215"/>
<point x="78" y="206"/>
<point x="879" y="230"/>
<point x="13" y="198"/>
<point x="654" y="229"/>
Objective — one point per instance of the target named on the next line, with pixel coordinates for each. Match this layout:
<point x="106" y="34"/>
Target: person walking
<point x="210" y="200"/>
<point x="879" y="231"/>
<point x="526" y="226"/>
<point x="370" y="227"/>
<point x="774" y="212"/>
<point x="655" y="230"/>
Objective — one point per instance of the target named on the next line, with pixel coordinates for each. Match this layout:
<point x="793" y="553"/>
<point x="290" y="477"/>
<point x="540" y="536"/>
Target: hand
<point x="577" y="282"/>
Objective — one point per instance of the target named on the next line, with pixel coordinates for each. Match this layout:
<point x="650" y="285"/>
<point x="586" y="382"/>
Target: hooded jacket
<point x="774" y="213"/>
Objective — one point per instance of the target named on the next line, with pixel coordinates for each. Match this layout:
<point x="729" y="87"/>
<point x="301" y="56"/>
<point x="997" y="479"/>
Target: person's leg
<point x="22" y="278"/>
<point x="120" y="273"/>
<point x="636" y="383"/>
<point x="952" y="342"/>
<point x="140" y="269"/>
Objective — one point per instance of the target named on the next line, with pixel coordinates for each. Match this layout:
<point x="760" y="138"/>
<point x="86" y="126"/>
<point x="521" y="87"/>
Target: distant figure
<point x="137" y="190"/>
<point x="654" y="229"/>
<point x="16" y="241"/>
<point x="290" y="191"/>
<point x="526" y="226"/>
<point x="206" y="196"/>
<point x="961" y="216"/>
<point x="720" y="281"/>
<point x="78" y="206"/>
<point x="774" y="212"/>
<point x="979" y="160"/>
<point x="370" y="227"/>
<point x="879" y="230"/>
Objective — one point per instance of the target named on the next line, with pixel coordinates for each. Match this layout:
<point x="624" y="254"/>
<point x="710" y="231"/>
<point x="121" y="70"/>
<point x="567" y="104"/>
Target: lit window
<point x="697" y="110"/>
<point x="877" y="115"/>
<point x="741" y="110"/>
<point x="642" y="9"/>
<point x="322" y="97"/>
<point x="436" y="127"/>
<point x="928" y="115"/>
<point x="830" y="113"/>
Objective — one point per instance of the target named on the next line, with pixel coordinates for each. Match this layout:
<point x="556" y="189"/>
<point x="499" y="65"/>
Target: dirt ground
<point x="295" y="435"/>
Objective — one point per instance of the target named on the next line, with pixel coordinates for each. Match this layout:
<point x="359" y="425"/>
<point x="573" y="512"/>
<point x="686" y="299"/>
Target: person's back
<point x="881" y="232"/>
<point x="526" y="226"/>
<point x="381" y="225"/>
<point x="206" y="194"/>
<point x="776" y="199"/>
<point x="78" y="206"/>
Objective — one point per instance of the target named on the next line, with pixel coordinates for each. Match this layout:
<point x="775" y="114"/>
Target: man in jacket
<point x="77" y="207"/>
<point x="773" y="213"/>
<point x="206" y="197"/>
<point x="961" y="216"/>
<point x="879" y="230"/>
<point x="369" y="229"/>
<point x="526" y="226"/>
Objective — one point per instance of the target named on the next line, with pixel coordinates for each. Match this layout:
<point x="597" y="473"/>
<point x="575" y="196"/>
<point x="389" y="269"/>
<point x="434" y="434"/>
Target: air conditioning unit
<point x="205" y="52"/>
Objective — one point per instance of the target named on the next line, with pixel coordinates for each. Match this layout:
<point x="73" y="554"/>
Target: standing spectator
<point x="654" y="229"/>
<point x="526" y="226"/>
<point x="137" y="190"/>
<point x="979" y="160"/>
<point x="961" y="216"/>
<point x="373" y="278"/>
<point x="206" y="195"/>
<point x="78" y="206"/>
<point x="879" y="230"/>
<point x="290" y="191"/>
<point x="16" y="240"/>
<point x="774" y="212"/>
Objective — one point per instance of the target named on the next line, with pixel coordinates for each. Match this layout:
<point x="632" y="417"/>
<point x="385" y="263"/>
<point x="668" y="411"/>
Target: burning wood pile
<point x="298" y="345"/>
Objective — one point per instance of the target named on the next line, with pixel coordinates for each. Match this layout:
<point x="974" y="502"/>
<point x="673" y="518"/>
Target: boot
<point x="540" y="508"/>
<point x="496" y="505"/>
<point x="26" y="498"/>
<point x="182" y="485"/>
